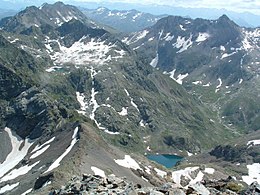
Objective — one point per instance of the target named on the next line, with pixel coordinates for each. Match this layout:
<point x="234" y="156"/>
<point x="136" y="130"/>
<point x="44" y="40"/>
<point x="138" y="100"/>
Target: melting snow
<point x="17" y="154"/>
<point x="182" y="43"/>
<point x="39" y="152"/>
<point x="160" y="172"/>
<point x="154" y="61"/>
<point x="128" y="162"/>
<point x="18" y="172"/>
<point x="253" y="174"/>
<point x="27" y="191"/>
<point x="168" y="37"/>
<point x="8" y="187"/>
<point x="180" y="77"/>
<point x="111" y="132"/>
<point x="202" y="37"/>
<point x="225" y="55"/>
<point x="14" y="40"/>
<point x="132" y="100"/>
<point x="94" y="51"/>
<point x="151" y="39"/>
<point x="182" y="28"/>
<point x="38" y="147"/>
<point x="222" y="48"/>
<point x="136" y="37"/>
<point x="197" y="82"/>
<point x="209" y="170"/>
<point x="53" y="68"/>
<point x="176" y="175"/>
<point x="98" y="171"/>
<point x="83" y="105"/>
<point x="123" y="112"/>
<point x="136" y="16"/>
<point x="219" y="85"/>
<point x="254" y="142"/>
<point x="56" y="163"/>
<point x="141" y="123"/>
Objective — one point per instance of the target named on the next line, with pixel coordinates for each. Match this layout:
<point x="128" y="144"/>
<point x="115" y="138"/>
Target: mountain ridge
<point x="77" y="90"/>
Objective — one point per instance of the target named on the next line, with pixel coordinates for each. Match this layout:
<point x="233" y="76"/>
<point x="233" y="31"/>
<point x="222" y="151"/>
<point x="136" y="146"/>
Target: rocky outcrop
<point x="94" y="184"/>
<point x="239" y="153"/>
<point x="32" y="113"/>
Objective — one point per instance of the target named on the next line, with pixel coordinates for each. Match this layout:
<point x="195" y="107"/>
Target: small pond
<point x="166" y="160"/>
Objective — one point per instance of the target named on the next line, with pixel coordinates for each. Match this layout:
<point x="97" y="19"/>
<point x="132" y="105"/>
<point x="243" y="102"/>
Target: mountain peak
<point x="225" y="20"/>
<point x="224" y="17"/>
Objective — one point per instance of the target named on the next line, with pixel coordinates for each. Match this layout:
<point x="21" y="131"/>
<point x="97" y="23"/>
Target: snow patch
<point x="39" y="152"/>
<point x="182" y="28"/>
<point x="179" y="78"/>
<point x="56" y="163"/>
<point x="222" y="48"/>
<point x="189" y="154"/>
<point x="160" y="172"/>
<point x="136" y="37"/>
<point x="38" y="147"/>
<point x="209" y="170"/>
<point x="53" y="68"/>
<point x="253" y="174"/>
<point x="123" y="112"/>
<point x="219" y="85"/>
<point x="8" y="187"/>
<point x="182" y="44"/>
<point x="176" y="175"/>
<point x="14" y="40"/>
<point x="151" y="39"/>
<point x="27" y="191"/>
<point x="18" y="172"/>
<point x="141" y="123"/>
<point x="202" y="37"/>
<point x="254" y="142"/>
<point x="197" y="82"/>
<point x="225" y="55"/>
<point x="154" y="61"/>
<point x="168" y="37"/>
<point x="20" y="148"/>
<point x="98" y="171"/>
<point x="83" y="105"/>
<point x="128" y="162"/>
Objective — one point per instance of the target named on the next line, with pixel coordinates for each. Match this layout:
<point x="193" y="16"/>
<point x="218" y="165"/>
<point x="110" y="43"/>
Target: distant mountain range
<point x="6" y="12"/>
<point x="78" y="96"/>
<point x="123" y="21"/>
<point x="243" y="19"/>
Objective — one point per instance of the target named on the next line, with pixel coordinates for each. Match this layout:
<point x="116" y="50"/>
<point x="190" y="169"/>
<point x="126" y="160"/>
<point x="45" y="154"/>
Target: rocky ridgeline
<point x="93" y="184"/>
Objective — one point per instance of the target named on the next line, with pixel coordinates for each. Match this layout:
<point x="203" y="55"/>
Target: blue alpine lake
<point x="166" y="160"/>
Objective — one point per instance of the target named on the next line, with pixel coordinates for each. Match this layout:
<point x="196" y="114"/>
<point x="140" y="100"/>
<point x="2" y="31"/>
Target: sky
<point x="252" y="6"/>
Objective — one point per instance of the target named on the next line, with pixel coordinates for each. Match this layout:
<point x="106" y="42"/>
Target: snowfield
<point x="20" y="148"/>
<point x="253" y="174"/>
<point x="95" y="51"/>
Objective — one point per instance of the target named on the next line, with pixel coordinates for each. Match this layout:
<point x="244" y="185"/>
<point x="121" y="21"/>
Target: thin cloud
<point x="233" y="5"/>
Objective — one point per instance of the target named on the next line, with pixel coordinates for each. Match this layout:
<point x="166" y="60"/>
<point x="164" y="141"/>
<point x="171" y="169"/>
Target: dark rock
<point x="254" y="188"/>
<point x="42" y="180"/>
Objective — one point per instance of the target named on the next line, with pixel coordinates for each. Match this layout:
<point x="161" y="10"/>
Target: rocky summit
<point x="94" y="184"/>
<point x="78" y="97"/>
